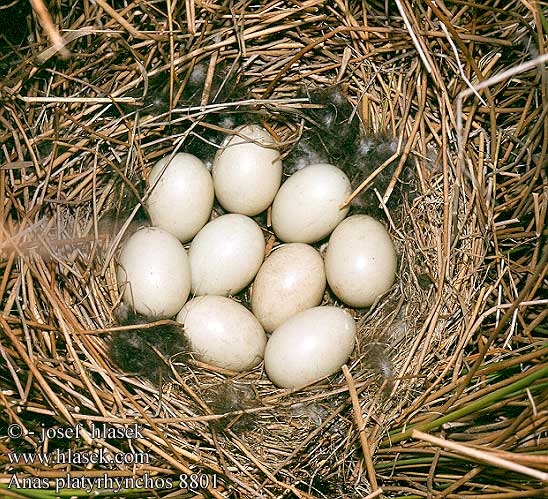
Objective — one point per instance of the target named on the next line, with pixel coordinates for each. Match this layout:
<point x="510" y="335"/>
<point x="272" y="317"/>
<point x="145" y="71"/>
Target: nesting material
<point x="379" y="359"/>
<point x="372" y="151"/>
<point x="233" y="397"/>
<point x="334" y="82"/>
<point x="146" y="351"/>
<point x="331" y="129"/>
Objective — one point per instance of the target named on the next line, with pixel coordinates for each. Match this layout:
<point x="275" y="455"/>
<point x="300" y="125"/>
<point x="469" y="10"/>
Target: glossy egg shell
<point x="154" y="273"/>
<point x="307" y="206"/>
<point x="291" y="279"/>
<point x="223" y="333"/>
<point x="181" y="199"/>
<point x="360" y="261"/>
<point x="310" y="345"/>
<point x="247" y="171"/>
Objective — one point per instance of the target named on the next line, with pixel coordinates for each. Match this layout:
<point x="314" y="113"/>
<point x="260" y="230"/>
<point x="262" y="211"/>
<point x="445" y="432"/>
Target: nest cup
<point x="449" y="370"/>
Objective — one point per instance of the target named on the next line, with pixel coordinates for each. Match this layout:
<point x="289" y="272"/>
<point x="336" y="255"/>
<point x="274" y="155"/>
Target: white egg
<point x="154" y="273"/>
<point x="226" y="255"/>
<point x="310" y="345"/>
<point x="247" y="171"/>
<point x="223" y="333"/>
<point x="306" y="208"/>
<point x="360" y="261"/>
<point x="291" y="279"/>
<point x="182" y="199"/>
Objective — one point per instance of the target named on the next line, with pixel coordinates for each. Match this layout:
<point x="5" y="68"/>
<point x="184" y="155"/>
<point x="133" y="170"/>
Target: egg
<point x="226" y="255"/>
<point x="182" y="196"/>
<point x="291" y="279"/>
<point x="310" y="345"/>
<point x="223" y="333"/>
<point x="360" y="261"/>
<point x="154" y="273"/>
<point x="247" y="171"/>
<point x="307" y="206"/>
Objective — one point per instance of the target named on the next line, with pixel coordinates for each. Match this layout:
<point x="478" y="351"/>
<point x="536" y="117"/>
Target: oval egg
<point x="182" y="196"/>
<point x="360" y="261"/>
<point x="247" y="171"/>
<point x="226" y="255"/>
<point x="154" y="273"/>
<point x="306" y="208"/>
<point x="310" y="345"/>
<point x="290" y="280"/>
<point x="223" y="333"/>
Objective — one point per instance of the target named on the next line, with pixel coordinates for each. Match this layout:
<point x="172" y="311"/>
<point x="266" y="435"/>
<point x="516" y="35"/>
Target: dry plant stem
<point x="310" y="437"/>
<point x="531" y="281"/>
<point x="361" y="428"/>
<point x="472" y="407"/>
<point x="78" y="100"/>
<point x="533" y="460"/>
<point x="368" y="180"/>
<point x="420" y="49"/>
<point x="377" y="493"/>
<point x="126" y="25"/>
<point x="537" y="61"/>
<point x="49" y="27"/>
<point x="191" y="15"/>
<point x="458" y="483"/>
<point x="301" y="53"/>
<point x="36" y="373"/>
<point x="298" y="493"/>
<point x="145" y="416"/>
<point x="484" y="456"/>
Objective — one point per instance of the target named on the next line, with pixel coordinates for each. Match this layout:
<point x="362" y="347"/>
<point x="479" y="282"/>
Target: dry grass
<point x="460" y="343"/>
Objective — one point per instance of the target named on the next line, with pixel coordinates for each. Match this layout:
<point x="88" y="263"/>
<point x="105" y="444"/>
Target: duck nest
<point x="437" y="111"/>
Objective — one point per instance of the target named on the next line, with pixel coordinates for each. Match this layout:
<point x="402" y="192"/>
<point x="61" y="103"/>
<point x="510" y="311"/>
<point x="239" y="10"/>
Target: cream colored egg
<point x="223" y="333"/>
<point x="307" y="206"/>
<point x="310" y="345"/>
<point x="226" y="255"/>
<point x="182" y="196"/>
<point x="247" y="171"/>
<point x="154" y="273"/>
<point x="360" y="261"/>
<point x="290" y="280"/>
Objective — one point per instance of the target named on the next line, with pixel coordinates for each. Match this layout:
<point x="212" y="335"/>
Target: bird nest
<point x="446" y="392"/>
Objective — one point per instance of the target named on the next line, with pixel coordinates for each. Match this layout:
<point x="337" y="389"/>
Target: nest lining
<point x="472" y="241"/>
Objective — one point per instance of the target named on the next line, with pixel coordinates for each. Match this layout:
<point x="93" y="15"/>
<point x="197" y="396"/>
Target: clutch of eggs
<point x="308" y="342"/>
